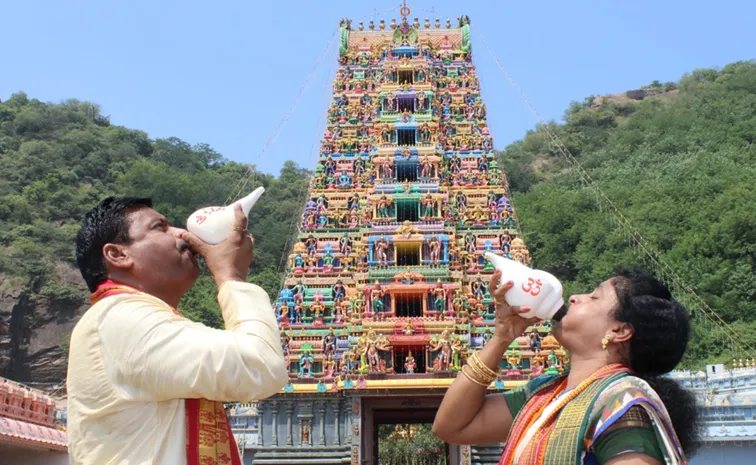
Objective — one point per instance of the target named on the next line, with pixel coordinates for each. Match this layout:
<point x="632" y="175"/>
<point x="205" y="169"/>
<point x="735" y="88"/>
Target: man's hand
<point x="509" y="324"/>
<point x="229" y="260"/>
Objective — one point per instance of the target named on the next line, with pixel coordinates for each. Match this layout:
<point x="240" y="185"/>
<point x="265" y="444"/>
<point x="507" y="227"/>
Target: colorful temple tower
<point x="385" y="294"/>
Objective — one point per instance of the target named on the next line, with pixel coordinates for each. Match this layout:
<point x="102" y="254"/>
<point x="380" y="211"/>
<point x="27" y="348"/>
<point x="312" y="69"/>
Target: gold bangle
<point x="482" y="376"/>
<point x="477" y="362"/>
<point x="482" y="365"/>
<point x="479" y="383"/>
<point x="479" y="373"/>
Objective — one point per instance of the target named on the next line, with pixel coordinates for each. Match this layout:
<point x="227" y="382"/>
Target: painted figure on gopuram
<point x="387" y="279"/>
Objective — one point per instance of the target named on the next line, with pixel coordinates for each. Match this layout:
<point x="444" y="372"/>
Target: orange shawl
<point x="209" y="440"/>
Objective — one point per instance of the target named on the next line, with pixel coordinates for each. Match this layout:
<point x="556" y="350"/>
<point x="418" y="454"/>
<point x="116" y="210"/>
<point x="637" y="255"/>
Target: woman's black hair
<point x="661" y="331"/>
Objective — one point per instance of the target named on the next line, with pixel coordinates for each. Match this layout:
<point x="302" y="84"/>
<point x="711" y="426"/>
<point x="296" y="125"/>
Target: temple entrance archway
<point x="400" y="417"/>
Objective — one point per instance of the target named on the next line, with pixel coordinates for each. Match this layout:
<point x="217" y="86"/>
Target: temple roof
<point x="30" y="435"/>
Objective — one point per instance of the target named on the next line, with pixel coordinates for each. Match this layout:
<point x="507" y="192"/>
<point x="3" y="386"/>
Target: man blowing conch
<point x="145" y="385"/>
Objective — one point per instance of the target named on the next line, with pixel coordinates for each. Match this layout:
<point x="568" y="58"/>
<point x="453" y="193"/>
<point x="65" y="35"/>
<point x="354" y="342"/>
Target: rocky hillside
<point x="59" y="160"/>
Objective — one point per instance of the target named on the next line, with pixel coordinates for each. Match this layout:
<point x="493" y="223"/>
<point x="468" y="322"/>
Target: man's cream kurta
<point x="132" y="362"/>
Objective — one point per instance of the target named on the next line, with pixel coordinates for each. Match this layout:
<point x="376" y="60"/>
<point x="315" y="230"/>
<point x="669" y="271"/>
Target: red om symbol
<point x="534" y="287"/>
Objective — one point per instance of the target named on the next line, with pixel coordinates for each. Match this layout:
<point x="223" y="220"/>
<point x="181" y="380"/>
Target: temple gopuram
<point x="385" y="294"/>
<point x="31" y="430"/>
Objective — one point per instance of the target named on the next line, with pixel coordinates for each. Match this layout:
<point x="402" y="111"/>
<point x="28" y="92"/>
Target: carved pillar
<point x="348" y="422"/>
<point x="289" y="425"/>
<point x="274" y="423"/>
<point x="322" y="409"/>
<point x="337" y="418"/>
<point x="260" y="422"/>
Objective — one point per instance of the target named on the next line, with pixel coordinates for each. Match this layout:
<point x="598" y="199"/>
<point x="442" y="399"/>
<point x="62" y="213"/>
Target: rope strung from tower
<point x="662" y="268"/>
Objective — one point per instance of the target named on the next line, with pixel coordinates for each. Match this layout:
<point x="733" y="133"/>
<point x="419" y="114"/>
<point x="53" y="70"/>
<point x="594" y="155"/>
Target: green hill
<point x="59" y="160"/>
<point x="680" y="164"/>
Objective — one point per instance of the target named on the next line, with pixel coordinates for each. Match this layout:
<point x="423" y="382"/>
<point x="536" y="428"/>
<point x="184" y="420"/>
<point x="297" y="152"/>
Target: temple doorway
<point x="398" y="432"/>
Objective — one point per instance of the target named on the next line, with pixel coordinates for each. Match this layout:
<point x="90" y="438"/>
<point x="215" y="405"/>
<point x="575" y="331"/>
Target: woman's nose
<point x="573" y="300"/>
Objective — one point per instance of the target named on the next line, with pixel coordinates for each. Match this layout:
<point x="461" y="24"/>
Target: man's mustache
<point x="183" y="246"/>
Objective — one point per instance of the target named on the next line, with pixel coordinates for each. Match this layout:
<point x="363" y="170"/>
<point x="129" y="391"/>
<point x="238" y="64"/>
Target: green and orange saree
<point x="610" y="413"/>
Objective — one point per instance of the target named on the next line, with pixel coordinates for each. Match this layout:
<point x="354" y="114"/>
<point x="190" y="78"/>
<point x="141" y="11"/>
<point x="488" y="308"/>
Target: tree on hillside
<point x="681" y="168"/>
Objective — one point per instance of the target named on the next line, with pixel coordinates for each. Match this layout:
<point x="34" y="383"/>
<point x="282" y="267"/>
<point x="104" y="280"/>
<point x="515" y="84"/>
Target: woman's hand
<point x="509" y="324"/>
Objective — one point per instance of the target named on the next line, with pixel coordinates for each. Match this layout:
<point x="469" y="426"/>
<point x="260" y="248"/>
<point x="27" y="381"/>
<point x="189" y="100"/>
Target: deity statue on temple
<point x="381" y="250"/>
<point x="439" y="302"/>
<point x="298" y="313"/>
<point x="459" y="352"/>
<point x="330" y="166"/>
<point x="283" y="313"/>
<point x="305" y="364"/>
<point x="505" y="241"/>
<point x="536" y="366"/>
<point x="514" y="358"/>
<point x="328" y="261"/>
<point x="372" y="345"/>
<point x="339" y="291"/>
<point x="390" y="102"/>
<point x="299" y="290"/>
<point x="470" y="243"/>
<point x="345" y="244"/>
<point x="354" y="220"/>
<point x="317" y="308"/>
<point x="383" y="204"/>
<point x="519" y="252"/>
<point x="483" y="163"/>
<point x="552" y="363"/>
<point x="422" y="101"/>
<point x="406" y="229"/>
<point x="312" y="245"/>
<point x="376" y="298"/>
<point x="428" y="205"/>
<point x="461" y="200"/>
<point x="329" y="366"/>
<point x="329" y="343"/>
<point x="443" y="347"/>
<point x="426" y="167"/>
<point x="353" y="203"/>
<point x="345" y="181"/>
<point x="358" y="166"/>
<point x="434" y="245"/>
<point x="478" y="288"/>
<point x="409" y="364"/>
<point x="455" y="164"/>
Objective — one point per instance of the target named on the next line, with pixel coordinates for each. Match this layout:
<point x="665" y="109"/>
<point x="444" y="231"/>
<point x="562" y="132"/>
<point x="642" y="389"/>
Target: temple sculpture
<point x="386" y="284"/>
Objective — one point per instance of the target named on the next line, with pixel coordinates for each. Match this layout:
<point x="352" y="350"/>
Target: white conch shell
<point x="536" y="289"/>
<point x="213" y="224"/>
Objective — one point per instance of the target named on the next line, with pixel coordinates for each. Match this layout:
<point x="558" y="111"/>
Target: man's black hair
<point x="104" y="224"/>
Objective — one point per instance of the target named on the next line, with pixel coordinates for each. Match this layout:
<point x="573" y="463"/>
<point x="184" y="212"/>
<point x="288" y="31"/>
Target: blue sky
<point x="227" y="72"/>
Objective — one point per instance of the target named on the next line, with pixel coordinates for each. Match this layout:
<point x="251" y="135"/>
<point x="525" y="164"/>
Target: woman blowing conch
<point x="611" y="408"/>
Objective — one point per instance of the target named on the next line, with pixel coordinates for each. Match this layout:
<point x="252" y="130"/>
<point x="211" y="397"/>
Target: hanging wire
<point x="664" y="270"/>
<point x="252" y="170"/>
<point x="295" y="224"/>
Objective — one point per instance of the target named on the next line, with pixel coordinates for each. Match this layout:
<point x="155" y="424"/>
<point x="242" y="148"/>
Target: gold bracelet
<point x="479" y="369"/>
<point x="482" y="376"/>
<point x="479" y="383"/>
<point x="476" y="361"/>
<point x="482" y="365"/>
<point x="480" y="373"/>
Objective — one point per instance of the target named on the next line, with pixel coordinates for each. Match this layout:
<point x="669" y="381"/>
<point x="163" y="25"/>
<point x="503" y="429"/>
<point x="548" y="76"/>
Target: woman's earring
<point x="604" y="342"/>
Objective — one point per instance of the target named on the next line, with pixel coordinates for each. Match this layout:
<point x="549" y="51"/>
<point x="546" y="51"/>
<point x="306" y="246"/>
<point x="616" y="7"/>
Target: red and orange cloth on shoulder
<point x="209" y="440"/>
